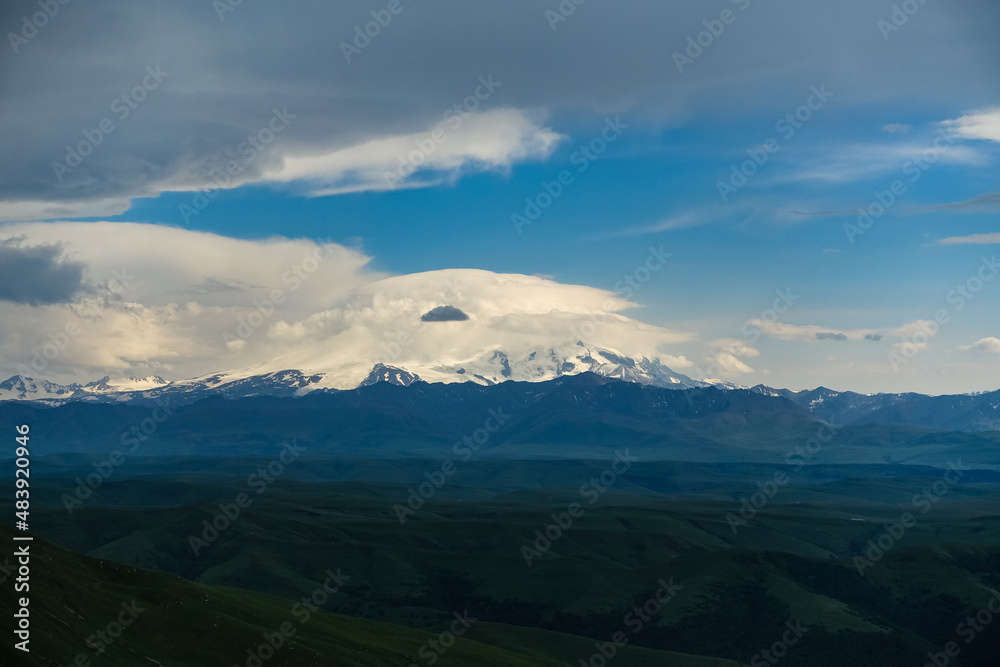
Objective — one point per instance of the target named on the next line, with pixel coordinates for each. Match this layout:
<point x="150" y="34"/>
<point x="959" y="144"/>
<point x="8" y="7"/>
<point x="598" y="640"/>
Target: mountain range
<point x="961" y="412"/>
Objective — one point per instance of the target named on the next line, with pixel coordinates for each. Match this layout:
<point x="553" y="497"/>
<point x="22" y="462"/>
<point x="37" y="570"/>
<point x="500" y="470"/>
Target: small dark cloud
<point x="830" y="335"/>
<point x="873" y="337"/>
<point x="35" y="275"/>
<point x="213" y="285"/>
<point x="444" y="314"/>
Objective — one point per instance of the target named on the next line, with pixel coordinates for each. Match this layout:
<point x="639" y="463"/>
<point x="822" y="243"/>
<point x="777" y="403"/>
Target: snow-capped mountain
<point x="966" y="412"/>
<point x="111" y="385"/>
<point x="488" y="368"/>
<point x="390" y="374"/>
<point x="18" y="388"/>
<point x="539" y="365"/>
<point x="25" y="388"/>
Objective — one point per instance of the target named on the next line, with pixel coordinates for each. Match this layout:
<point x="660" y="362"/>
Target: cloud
<point x="727" y="363"/>
<point x="905" y="349"/>
<point x="812" y="333"/>
<point x="990" y="345"/>
<point x="985" y="203"/>
<point x="147" y="305"/>
<point x="225" y="78"/>
<point x="846" y="163"/>
<point x="692" y="218"/>
<point x="54" y="210"/>
<point x="807" y="332"/>
<point x="972" y="239"/>
<point x="981" y="124"/>
<point x="37" y="274"/>
<point x="444" y="314"/>
<point x="492" y="140"/>
<point x="896" y="128"/>
<point x="181" y="303"/>
<point x="914" y="329"/>
<point x="723" y="357"/>
<point x="212" y="285"/>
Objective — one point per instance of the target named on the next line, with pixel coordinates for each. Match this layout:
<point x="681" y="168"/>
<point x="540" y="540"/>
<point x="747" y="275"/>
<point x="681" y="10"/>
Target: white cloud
<point x="812" y="333"/>
<point x="981" y="124"/>
<point x="191" y="303"/>
<point x="728" y="363"/>
<point x="51" y="210"/>
<point x="723" y="357"/>
<point x="990" y="345"/>
<point x="980" y="239"/>
<point x="896" y="128"/>
<point x="483" y="141"/>
<point x="676" y="362"/>
<point x="807" y="332"/>
<point x="144" y="305"/>
<point x="519" y="314"/>
<point x="847" y="163"/>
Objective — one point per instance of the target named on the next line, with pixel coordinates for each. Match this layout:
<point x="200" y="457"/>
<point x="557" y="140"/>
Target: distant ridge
<point x="961" y="412"/>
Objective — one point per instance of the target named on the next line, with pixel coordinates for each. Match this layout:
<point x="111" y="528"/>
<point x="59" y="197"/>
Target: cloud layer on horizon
<point x="180" y="303"/>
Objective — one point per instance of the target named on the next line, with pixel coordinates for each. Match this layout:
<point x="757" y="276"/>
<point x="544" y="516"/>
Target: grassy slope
<point x="185" y="623"/>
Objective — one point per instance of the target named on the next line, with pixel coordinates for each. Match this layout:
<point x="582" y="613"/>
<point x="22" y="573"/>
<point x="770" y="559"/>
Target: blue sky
<point x="871" y="105"/>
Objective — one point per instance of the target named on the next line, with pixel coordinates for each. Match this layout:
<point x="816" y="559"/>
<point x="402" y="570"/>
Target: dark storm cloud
<point x="830" y="335"/>
<point x="444" y="314"/>
<point x="224" y="76"/>
<point x="873" y="337"/>
<point x="35" y="275"/>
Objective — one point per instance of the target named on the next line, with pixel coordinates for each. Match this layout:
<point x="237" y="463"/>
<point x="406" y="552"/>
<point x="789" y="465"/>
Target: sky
<point x="789" y="193"/>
